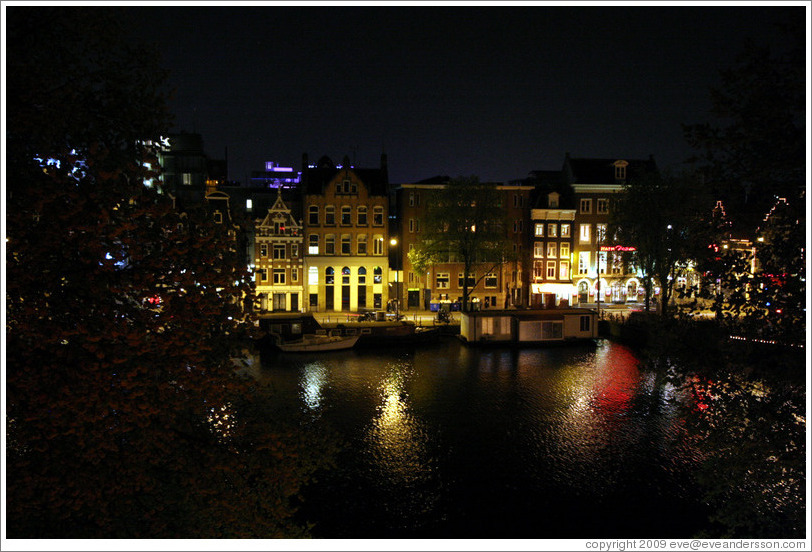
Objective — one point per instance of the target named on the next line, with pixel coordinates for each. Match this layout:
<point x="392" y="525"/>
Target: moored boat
<point x="311" y="343"/>
<point x="384" y="334"/>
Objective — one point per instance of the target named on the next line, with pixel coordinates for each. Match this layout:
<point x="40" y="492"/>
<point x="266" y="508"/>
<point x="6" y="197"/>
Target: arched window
<point x="362" y="215"/>
<point x="345" y="275"/>
<point x="362" y="275"/>
<point x="377" y="275"/>
<point x="329" y="276"/>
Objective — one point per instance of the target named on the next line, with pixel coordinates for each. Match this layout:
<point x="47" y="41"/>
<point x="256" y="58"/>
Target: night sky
<point x="489" y="91"/>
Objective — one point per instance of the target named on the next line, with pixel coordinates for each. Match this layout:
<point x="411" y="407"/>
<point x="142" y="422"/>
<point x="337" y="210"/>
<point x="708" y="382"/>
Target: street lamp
<point x="393" y="242"/>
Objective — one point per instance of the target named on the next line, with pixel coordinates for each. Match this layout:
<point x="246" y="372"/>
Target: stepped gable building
<point x="346" y="226"/>
<point x="279" y="259"/>
<point x="598" y="274"/>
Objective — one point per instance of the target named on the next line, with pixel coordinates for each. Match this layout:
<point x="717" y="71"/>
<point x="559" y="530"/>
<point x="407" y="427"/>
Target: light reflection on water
<point x="452" y="441"/>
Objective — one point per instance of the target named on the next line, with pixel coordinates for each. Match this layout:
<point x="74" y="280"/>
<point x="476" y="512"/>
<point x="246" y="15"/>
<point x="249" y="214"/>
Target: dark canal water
<point x="449" y="441"/>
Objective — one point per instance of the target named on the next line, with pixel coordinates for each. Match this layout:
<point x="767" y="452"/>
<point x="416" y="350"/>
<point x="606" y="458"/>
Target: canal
<point x="445" y="441"/>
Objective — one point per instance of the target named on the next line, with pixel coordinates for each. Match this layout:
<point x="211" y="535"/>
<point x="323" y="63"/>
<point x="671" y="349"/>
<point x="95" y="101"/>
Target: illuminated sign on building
<point x="617" y="248"/>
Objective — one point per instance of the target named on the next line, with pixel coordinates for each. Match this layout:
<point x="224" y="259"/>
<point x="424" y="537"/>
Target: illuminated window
<point x="564" y="270"/>
<point x="600" y="232"/>
<point x="538" y="249"/>
<point x="602" y="263"/>
<point x="377" y="245"/>
<point x="187" y="179"/>
<point x="313" y="244"/>
<point x="565" y="230"/>
<point x="583" y="262"/>
<point x="585" y="234"/>
<point x="538" y="269"/>
<point x="586" y="206"/>
<point x="539" y="231"/>
<point x="312" y="276"/>
<point x="617" y="263"/>
<point x="551" y="270"/>
<point x="249" y="204"/>
<point x="552" y="250"/>
<point x="565" y="250"/>
<point x="552" y="230"/>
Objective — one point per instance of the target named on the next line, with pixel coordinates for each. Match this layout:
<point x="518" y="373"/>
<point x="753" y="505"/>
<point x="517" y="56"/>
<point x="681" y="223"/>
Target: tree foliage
<point x="659" y="215"/>
<point x="465" y="222"/>
<point x="755" y="148"/>
<point x="125" y="417"/>
<point x="760" y="292"/>
<point x="754" y="156"/>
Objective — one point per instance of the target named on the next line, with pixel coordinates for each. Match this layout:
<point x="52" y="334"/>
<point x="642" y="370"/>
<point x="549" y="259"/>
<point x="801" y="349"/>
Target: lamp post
<point x="393" y="242"/>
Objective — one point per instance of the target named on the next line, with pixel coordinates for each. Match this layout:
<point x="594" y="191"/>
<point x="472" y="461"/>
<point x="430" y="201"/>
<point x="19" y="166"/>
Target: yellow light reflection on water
<point x="398" y="439"/>
<point x="314" y="379"/>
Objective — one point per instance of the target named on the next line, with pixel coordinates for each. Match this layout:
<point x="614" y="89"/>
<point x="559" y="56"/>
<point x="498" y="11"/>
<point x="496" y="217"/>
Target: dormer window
<point x="552" y="200"/>
<point x="620" y="170"/>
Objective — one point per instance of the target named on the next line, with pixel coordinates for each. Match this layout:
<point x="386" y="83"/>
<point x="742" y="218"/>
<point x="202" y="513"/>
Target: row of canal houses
<point x="335" y="237"/>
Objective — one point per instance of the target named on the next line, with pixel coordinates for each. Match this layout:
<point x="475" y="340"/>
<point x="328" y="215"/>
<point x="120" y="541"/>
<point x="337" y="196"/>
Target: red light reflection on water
<point x="617" y="380"/>
<point x="700" y="392"/>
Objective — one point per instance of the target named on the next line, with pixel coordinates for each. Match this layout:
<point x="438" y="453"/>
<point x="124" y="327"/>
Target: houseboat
<point x="529" y="327"/>
<point x="381" y="334"/>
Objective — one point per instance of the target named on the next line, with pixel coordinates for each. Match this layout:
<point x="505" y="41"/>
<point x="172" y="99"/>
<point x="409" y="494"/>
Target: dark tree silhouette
<point x="465" y="222"/>
<point x="125" y="417"/>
